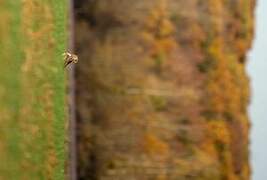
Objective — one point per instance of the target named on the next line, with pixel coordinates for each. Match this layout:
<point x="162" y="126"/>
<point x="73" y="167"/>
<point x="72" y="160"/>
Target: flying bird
<point x="69" y="58"/>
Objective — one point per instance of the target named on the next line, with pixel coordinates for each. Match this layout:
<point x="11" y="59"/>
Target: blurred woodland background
<point x="161" y="89"/>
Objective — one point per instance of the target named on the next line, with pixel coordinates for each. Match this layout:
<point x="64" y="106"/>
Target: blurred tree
<point x="162" y="89"/>
<point x="32" y="89"/>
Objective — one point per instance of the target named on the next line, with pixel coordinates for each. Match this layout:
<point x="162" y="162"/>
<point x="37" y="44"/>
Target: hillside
<point x="32" y="89"/>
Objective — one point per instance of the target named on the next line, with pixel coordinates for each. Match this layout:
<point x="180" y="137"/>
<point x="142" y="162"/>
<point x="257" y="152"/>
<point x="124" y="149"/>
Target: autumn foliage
<point x="162" y="89"/>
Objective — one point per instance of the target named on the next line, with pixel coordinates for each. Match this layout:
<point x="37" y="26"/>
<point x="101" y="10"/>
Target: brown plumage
<point x="69" y="58"/>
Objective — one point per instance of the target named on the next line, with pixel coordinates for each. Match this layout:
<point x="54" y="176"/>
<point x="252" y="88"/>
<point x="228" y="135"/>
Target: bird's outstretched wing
<point x="67" y="62"/>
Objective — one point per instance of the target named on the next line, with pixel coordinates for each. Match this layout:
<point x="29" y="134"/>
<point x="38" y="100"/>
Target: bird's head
<point x="75" y="58"/>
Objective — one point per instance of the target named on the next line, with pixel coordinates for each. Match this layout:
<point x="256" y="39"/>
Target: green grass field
<point x="32" y="89"/>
